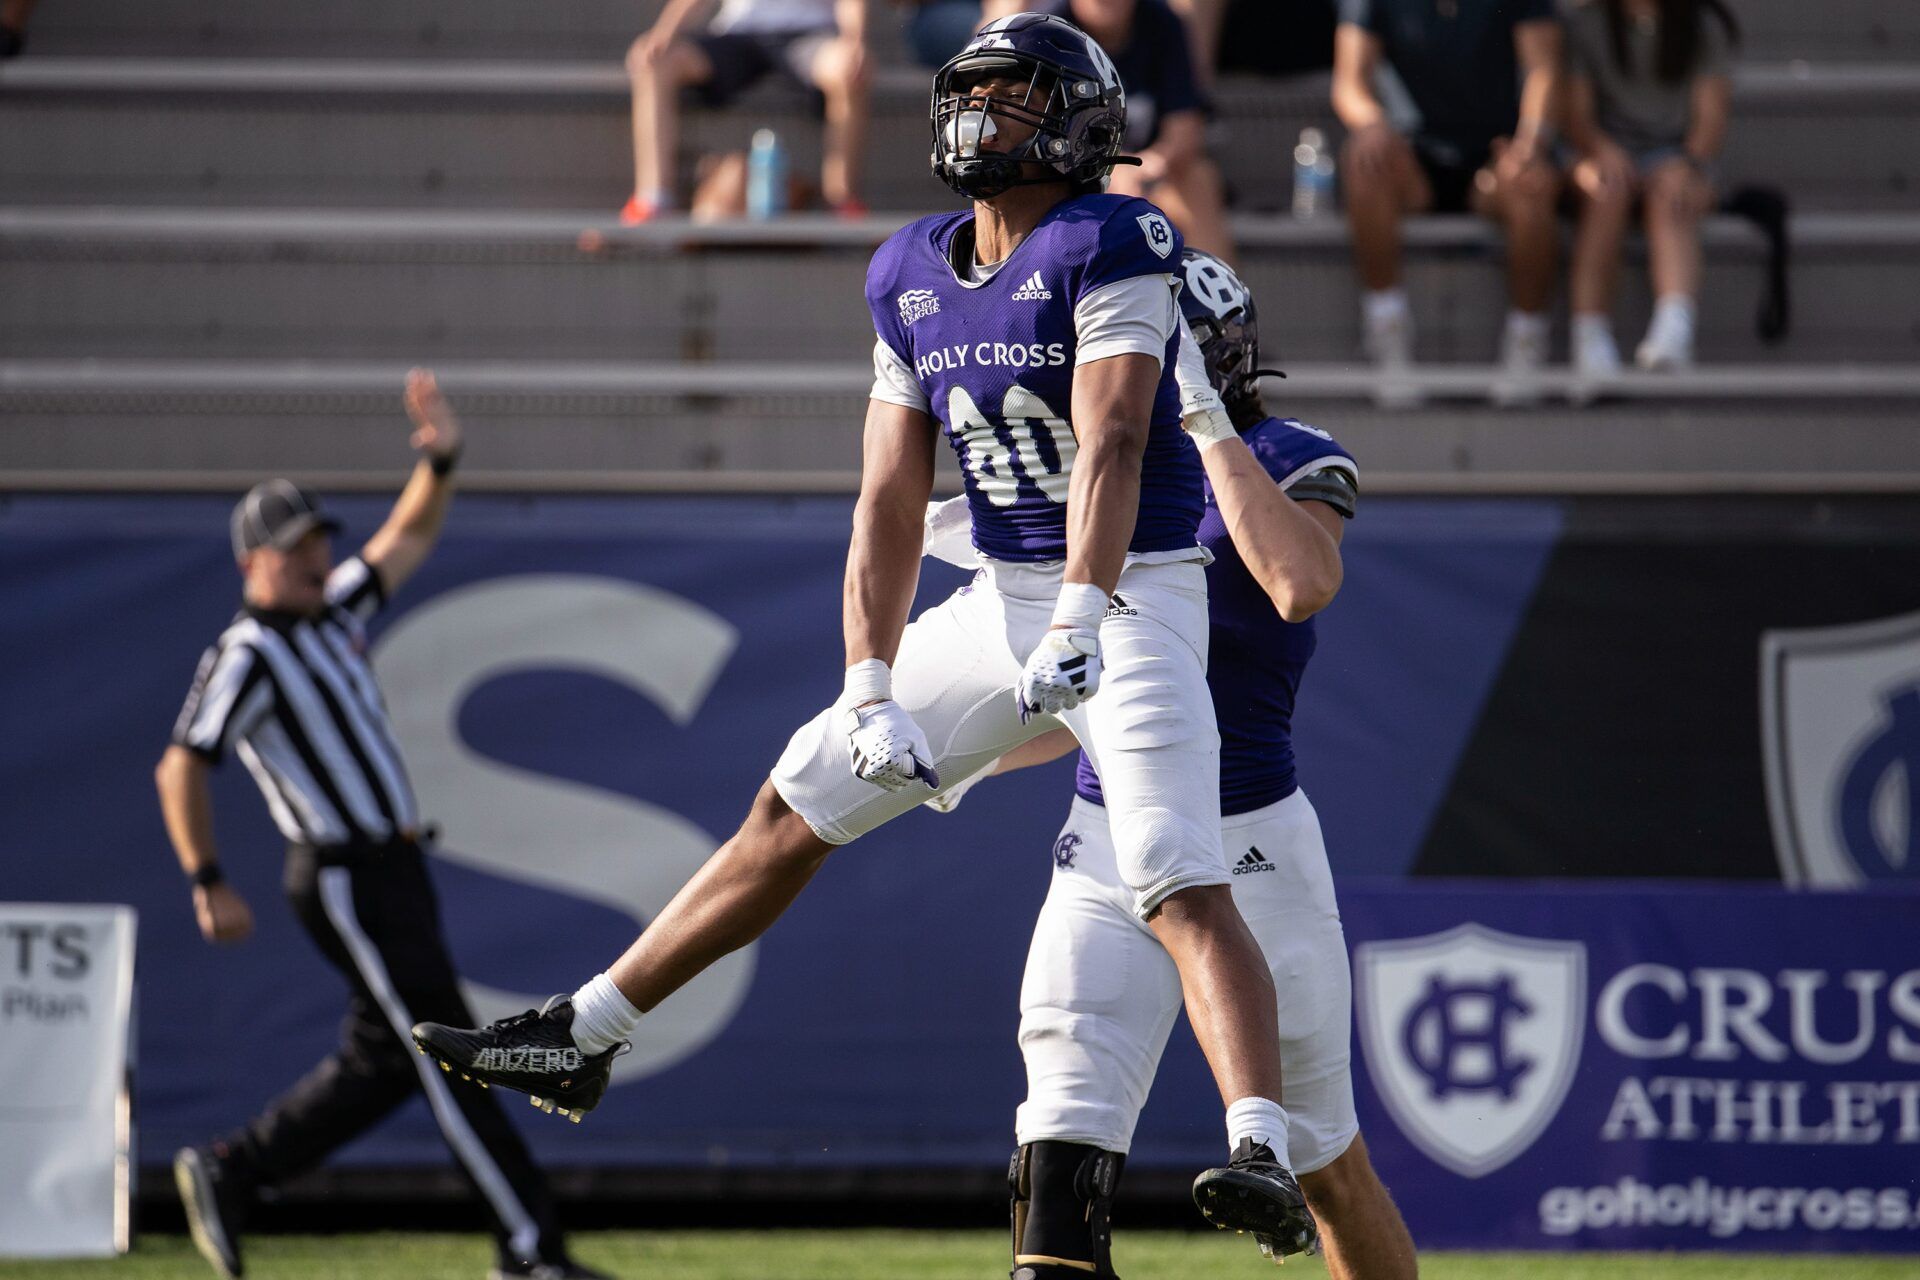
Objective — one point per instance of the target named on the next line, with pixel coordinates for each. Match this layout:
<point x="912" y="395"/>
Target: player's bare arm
<point x="402" y="544"/>
<point x="883" y="560"/>
<point x="1112" y="405"/>
<point x="883" y="568"/>
<point x="186" y="804"/>
<point x="1291" y="548"/>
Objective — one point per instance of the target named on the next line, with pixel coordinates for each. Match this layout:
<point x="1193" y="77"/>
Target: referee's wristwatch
<point x="207" y="875"/>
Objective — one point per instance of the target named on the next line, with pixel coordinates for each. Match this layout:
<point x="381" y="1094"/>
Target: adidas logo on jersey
<point x="1117" y="607"/>
<point x="1034" y="290"/>
<point x="1254" y="861"/>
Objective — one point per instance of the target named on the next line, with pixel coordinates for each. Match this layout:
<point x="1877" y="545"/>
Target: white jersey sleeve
<point x="1137" y="314"/>
<point x="893" y="381"/>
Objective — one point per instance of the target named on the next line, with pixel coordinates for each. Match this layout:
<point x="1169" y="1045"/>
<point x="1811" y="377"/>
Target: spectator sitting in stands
<point x="821" y="44"/>
<point x="1166" y="112"/>
<point x="1647" y="110"/>
<point x="938" y="29"/>
<point x="1482" y="143"/>
<point x="13" y="26"/>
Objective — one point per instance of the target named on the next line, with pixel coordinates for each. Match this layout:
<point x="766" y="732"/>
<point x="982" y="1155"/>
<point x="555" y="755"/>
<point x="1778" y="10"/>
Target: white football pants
<point x="1149" y="729"/>
<point x="1101" y="993"/>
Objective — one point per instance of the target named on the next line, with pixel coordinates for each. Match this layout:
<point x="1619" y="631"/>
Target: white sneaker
<point x="1669" y="341"/>
<point x="1388" y="342"/>
<point x="1523" y="356"/>
<point x="1596" y="358"/>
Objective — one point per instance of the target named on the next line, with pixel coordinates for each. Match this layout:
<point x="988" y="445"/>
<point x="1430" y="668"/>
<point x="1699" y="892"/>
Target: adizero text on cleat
<point x="1256" y="1193"/>
<point x="533" y="1052"/>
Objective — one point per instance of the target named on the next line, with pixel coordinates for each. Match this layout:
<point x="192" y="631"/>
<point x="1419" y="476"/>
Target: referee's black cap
<point x="277" y="514"/>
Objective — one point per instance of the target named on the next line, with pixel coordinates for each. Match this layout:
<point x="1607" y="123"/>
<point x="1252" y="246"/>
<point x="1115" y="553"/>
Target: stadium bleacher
<point x="218" y="217"/>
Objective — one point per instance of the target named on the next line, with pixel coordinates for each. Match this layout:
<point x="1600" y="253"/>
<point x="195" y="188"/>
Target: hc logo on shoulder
<point x="1840" y="731"/>
<point x="1471" y="1037"/>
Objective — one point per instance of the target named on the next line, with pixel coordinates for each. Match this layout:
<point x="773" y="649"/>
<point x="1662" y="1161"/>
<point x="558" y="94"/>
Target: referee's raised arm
<point x="403" y="543"/>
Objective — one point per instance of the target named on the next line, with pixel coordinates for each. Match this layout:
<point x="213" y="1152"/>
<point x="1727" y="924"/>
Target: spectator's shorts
<point x="742" y="59"/>
<point x="1449" y="167"/>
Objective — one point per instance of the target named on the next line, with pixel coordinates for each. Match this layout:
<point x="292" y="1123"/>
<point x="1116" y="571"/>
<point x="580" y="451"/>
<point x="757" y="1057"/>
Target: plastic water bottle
<point x="1312" y="175"/>
<point x="766" y="176"/>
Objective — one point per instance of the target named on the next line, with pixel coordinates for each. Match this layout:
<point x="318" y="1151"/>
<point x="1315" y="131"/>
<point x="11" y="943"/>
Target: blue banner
<point x="589" y="691"/>
<point x="1683" y="1067"/>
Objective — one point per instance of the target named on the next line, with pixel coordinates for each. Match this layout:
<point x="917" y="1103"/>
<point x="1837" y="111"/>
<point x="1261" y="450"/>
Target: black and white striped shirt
<point x="294" y="696"/>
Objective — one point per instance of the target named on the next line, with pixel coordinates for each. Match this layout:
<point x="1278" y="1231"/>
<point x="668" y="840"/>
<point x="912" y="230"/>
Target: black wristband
<point x="208" y="875"/>
<point x="444" y="463"/>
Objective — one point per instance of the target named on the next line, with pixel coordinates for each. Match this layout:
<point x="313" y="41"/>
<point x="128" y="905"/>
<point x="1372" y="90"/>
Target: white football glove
<point x="888" y="748"/>
<point x="1062" y="672"/>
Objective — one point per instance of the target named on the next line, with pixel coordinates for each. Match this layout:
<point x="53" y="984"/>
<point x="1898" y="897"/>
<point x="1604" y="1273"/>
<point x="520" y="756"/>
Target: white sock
<point x="659" y="198"/>
<point x="1673" y="312"/>
<point x="1380" y="306"/>
<point x="1591" y="325"/>
<point x="1530" y="324"/>
<point x="1261" y="1119"/>
<point x="602" y="1017"/>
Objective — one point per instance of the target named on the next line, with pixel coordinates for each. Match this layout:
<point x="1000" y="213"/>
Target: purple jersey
<point x="1254" y="656"/>
<point x="996" y="361"/>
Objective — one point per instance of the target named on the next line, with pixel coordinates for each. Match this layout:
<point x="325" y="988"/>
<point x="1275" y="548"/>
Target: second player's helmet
<point x="1221" y="315"/>
<point x="1071" y="98"/>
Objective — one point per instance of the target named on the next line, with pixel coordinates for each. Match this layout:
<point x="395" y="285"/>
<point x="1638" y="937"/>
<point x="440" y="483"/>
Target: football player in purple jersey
<point x="1278" y="495"/>
<point x="1037" y="332"/>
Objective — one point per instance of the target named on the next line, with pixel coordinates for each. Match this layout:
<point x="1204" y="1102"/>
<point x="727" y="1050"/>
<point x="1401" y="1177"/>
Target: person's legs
<point x="1524" y="207"/>
<point x="658" y="73"/>
<point x="1606" y="204"/>
<point x="1151" y="735"/>
<point x="1383" y="184"/>
<point x="1522" y="202"/>
<point x="840" y="70"/>
<point x="1362" y="1233"/>
<point x="1098" y="1000"/>
<point x="385" y="918"/>
<point x="1677" y="197"/>
<point x="743" y="888"/>
<point x="1293" y="914"/>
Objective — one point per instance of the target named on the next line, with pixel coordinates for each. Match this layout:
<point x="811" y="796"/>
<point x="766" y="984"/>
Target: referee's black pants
<point x="374" y="915"/>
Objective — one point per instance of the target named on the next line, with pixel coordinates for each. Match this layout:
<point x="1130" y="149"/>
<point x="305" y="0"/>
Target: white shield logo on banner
<point x="1840" y="728"/>
<point x="1471" y="1037"/>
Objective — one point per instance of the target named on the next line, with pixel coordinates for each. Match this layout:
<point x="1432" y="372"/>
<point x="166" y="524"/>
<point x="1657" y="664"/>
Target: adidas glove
<point x="888" y="748"/>
<point x="1064" y="668"/>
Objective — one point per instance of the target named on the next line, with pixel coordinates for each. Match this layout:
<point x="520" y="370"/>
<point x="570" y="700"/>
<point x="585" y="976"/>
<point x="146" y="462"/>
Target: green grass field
<point x="900" y="1255"/>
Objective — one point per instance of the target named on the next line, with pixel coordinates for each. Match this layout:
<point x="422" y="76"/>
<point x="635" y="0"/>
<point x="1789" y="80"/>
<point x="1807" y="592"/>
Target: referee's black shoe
<point x="1258" y="1194"/>
<point x="533" y="1052"/>
<point x="215" y="1205"/>
<point x="566" y="1269"/>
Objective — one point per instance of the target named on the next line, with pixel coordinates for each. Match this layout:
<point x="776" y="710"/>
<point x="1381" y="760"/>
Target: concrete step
<point x="354" y="133"/>
<point x="431" y="285"/>
<point x="1863" y="29"/>
<point x="795" y="426"/>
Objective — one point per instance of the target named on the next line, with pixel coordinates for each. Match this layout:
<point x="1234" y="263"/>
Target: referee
<point x="287" y="687"/>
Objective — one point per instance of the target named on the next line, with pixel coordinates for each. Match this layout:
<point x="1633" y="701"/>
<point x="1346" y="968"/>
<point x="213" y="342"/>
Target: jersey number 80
<point x="1040" y="439"/>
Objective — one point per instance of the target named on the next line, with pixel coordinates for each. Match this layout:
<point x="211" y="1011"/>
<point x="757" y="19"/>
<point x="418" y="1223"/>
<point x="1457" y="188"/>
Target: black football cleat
<point x="533" y="1052"/>
<point x="215" y="1207"/>
<point x="1256" y="1193"/>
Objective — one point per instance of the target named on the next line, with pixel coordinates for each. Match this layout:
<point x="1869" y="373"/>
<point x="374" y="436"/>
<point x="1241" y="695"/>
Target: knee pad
<point x="1063" y="1210"/>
